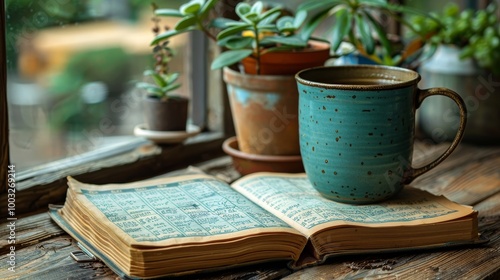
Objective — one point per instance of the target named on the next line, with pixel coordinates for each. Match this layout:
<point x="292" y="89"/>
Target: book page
<point x="293" y="199"/>
<point x="168" y="211"/>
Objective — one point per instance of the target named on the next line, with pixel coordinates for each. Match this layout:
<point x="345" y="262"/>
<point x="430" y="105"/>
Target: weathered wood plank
<point x="63" y="167"/>
<point x="468" y="176"/>
<point x="463" y="155"/>
<point x="478" y="181"/>
<point x="51" y="259"/>
<point x="266" y="271"/>
<point x="489" y="206"/>
<point x="29" y="230"/>
<point x="62" y="171"/>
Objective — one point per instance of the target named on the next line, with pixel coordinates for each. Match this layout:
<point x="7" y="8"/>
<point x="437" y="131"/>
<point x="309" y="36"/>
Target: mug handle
<point x="413" y="173"/>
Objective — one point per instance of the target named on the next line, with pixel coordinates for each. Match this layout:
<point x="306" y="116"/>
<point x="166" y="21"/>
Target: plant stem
<point x="257" y="48"/>
<point x="205" y="30"/>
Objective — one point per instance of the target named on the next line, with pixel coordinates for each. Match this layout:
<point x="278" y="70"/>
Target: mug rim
<point x="407" y="77"/>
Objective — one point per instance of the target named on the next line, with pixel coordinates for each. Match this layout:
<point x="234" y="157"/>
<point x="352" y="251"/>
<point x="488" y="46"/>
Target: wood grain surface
<point x="470" y="176"/>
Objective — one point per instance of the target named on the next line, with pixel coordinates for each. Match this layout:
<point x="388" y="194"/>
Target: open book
<point x="182" y="225"/>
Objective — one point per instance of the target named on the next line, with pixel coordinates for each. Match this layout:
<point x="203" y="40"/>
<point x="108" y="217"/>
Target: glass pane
<point x="72" y="67"/>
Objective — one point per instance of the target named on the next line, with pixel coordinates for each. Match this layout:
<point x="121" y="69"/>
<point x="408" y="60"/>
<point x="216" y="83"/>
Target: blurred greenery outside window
<point x="71" y="72"/>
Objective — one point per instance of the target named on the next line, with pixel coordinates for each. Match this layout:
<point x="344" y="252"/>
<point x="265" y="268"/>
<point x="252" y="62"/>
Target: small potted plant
<point x="263" y="38"/>
<point x="357" y="26"/>
<point x="464" y="51"/>
<point x="269" y="43"/>
<point x="163" y="109"/>
<point x="264" y="102"/>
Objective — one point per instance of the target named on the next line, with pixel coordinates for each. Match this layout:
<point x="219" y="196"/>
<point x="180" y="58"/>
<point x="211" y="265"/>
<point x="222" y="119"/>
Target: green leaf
<point x="341" y="27"/>
<point x="312" y="24"/>
<point x="223" y="42"/>
<point x="159" y="80"/>
<point x="386" y="44"/>
<point x="186" y="22"/>
<point x="428" y="52"/>
<point x="171" y="87"/>
<point x="190" y="8"/>
<point x="207" y="7"/>
<point x="251" y="18"/>
<point x="318" y="4"/>
<point x="269" y="19"/>
<point x="352" y="38"/>
<point x="268" y="27"/>
<point x="142" y="85"/>
<point x="171" y="78"/>
<point x="373" y="3"/>
<point x="285" y="24"/>
<point x="292" y="41"/>
<point x="229" y="57"/>
<point x="300" y="18"/>
<point x="231" y="31"/>
<point x="319" y="39"/>
<point x="223" y="23"/>
<point x="237" y="42"/>
<point x="271" y="12"/>
<point x="388" y="60"/>
<point x="257" y="7"/>
<point x="168" y="13"/>
<point x="157" y="91"/>
<point x="149" y="88"/>
<point x="364" y="32"/>
<point x="242" y="9"/>
<point x="165" y="35"/>
<point x="409" y="10"/>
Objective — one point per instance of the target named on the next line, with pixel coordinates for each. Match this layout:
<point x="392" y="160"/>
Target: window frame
<point x="4" y="121"/>
<point x="36" y="188"/>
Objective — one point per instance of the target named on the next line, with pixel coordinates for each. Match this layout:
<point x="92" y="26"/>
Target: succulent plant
<point x="259" y="30"/>
<point x="476" y="32"/>
<point x="163" y="82"/>
<point x="356" y="23"/>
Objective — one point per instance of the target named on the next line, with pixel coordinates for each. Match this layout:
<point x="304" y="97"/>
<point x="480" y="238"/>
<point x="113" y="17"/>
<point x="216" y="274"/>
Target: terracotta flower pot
<point x="250" y="163"/>
<point x="289" y="62"/>
<point x="265" y="112"/>
<point x="166" y="115"/>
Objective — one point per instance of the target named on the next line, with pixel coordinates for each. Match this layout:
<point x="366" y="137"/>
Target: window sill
<point x="135" y="160"/>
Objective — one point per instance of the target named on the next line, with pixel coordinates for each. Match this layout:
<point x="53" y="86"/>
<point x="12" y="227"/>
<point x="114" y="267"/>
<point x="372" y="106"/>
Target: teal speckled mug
<point x="356" y="126"/>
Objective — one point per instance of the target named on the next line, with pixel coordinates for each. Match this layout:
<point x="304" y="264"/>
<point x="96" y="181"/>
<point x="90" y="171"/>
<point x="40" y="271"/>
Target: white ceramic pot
<point x="438" y="117"/>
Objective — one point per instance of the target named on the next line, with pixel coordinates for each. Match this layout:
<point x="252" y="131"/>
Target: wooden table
<point x="470" y="176"/>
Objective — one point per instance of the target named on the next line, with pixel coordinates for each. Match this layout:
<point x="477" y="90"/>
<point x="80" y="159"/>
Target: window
<point x="71" y="72"/>
<point x="125" y="160"/>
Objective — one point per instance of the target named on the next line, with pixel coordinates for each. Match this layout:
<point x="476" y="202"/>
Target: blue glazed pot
<point x="356" y="130"/>
<point x="354" y="59"/>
